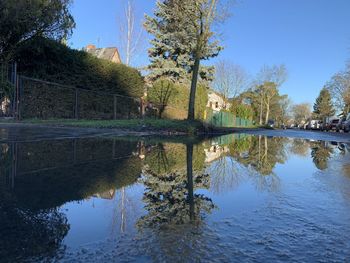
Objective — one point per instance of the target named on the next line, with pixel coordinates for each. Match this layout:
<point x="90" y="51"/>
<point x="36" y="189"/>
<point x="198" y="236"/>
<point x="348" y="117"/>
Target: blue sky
<point x="311" y="37"/>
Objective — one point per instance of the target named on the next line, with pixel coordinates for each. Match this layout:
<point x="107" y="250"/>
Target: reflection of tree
<point x="253" y="156"/>
<point x="264" y="154"/>
<point x="320" y="153"/>
<point x="169" y="195"/>
<point x="300" y="147"/>
<point x="25" y="234"/>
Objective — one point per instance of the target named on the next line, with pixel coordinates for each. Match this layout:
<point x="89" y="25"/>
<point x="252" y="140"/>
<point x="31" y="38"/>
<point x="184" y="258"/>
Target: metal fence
<point x="46" y="100"/>
<point x="225" y="119"/>
<point x="8" y="78"/>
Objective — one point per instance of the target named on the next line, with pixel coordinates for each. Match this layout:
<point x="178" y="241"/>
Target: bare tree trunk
<point x="261" y="109"/>
<point x="130" y="39"/>
<point x="267" y="111"/>
<point x="130" y="25"/>
<point x="194" y="81"/>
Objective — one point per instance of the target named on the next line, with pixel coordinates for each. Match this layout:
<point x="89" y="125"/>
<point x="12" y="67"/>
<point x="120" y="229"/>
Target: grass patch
<point x="133" y="124"/>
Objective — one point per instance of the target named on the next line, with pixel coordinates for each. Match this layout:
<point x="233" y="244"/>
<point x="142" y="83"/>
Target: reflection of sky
<point x="96" y="219"/>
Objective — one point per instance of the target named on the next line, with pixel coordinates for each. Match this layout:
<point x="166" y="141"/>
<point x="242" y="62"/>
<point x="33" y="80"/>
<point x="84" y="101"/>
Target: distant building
<point x="108" y="53"/>
<point x="216" y="101"/>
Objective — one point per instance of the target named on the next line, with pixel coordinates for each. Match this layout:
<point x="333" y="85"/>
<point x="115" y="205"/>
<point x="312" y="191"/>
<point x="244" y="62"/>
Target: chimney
<point x="90" y="47"/>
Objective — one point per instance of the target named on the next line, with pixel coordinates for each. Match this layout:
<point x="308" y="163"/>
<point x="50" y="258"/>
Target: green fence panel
<point x="225" y="119"/>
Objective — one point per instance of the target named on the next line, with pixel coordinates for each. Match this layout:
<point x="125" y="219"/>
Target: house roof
<point x="103" y="53"/>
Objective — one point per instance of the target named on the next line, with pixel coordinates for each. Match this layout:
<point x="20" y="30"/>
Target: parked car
<point x="345" y="126"/>
<point x="333" y="125"/>
<point x="340" y="125"/>
<point x="271" y="123"/>
<point x="305" y="125"/>
<point x="313" y="125"/>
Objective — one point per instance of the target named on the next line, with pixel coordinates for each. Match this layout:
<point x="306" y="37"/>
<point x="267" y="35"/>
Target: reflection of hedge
<point x="49" y="154"/>
<point x="52" y="188"/>
<point x="47" y="176"/>
<point x="177" y="103"/>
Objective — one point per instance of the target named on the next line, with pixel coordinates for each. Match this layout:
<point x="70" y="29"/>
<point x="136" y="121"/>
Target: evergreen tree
<point x="323" y="106"/>
<point x="170" y="53"/>
<point x="183" y="37"/>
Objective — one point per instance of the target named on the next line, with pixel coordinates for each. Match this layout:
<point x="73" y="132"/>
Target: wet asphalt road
<point x="30" y="132"/>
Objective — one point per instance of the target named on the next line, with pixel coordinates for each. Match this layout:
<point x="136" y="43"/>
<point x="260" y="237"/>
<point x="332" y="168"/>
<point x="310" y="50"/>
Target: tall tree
<point x="170" y="48"/>
<point x="22" y="20"/>
<point x="130" y="35"/>
<point x="184" y="36"/>
<point x="323" y="106"/>
<point x="268" y="82"/>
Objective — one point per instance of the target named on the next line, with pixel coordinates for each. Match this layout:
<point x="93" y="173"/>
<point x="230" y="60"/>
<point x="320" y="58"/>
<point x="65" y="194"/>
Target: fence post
<point x="76" y="113"/>
<point x="114" y="107"/>
<point x="18" y="98"/>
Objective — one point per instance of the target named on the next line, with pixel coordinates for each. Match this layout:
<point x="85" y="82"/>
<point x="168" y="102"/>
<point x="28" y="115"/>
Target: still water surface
<point x="235" y="198"/>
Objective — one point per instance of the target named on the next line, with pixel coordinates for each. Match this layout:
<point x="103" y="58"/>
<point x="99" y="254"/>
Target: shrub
<point x="242" y="111"/>
<point x="172" y="99"/>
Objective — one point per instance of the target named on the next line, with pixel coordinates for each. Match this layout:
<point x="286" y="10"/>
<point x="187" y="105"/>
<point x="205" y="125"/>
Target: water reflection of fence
<point x="20" y="159"/>
<point x="225" y="119"/>
<point x="47" y="174"/>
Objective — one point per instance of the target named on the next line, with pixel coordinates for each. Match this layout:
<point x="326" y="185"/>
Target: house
<point x="216" y="101"/>
<point x="108" y="53"/>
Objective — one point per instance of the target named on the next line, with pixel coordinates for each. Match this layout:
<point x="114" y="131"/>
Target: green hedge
<point x="52" y="61"/>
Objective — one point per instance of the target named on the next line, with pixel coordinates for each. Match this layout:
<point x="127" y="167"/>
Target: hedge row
<point x="52" y="61"/>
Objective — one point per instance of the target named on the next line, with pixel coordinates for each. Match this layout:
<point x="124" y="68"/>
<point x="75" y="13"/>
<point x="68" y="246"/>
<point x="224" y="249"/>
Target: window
<point x="216" y="104"/>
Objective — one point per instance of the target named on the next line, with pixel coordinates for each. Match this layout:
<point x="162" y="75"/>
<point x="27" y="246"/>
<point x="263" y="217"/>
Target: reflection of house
<point x="216" y="102"/>
<point x="109" y="53"/>
<point x="106" y="195"/>
<point x="215" y="152"/>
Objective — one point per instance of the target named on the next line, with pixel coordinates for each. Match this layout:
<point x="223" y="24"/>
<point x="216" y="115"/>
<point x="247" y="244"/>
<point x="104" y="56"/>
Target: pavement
<point x="32" y="132"/>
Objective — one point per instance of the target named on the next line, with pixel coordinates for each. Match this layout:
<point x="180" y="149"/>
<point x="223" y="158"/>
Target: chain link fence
<point x="48" y="100"/>
<point x="8" y="78"/>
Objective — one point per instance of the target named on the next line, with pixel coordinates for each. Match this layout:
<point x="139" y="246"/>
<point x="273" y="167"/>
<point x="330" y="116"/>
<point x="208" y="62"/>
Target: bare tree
<point x="130" y="32"/>
<point x="230" y="79"/>
<point x="301" y="112"/>
<point x="276" y="74"/>
<point x="339" y="87"/>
